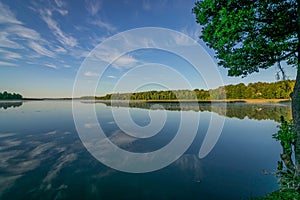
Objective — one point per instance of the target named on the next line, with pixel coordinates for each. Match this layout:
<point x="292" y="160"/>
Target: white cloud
<point x="62" y="37"/>
<point x="192" y="31"/>
<point x="90" y="74"/>
<point x="51" y="66"/>
<point x="91" y="125"/>
<point x="60" y="49"/>
<point x="62" y="11"/>
<point x="93" y="6"/>
<point x="24" y="32"/>
<point x="10" y="55"/>
<point x="100" y="23"/>
<point x="109" y="55"/>
<point x="125" y="61"/>
<point x="8" y="43"/>
<point x="2" y="63"/>
<point x="183" y="40"/>
<point x="59" y="3"/>
<point x="113" y="77"/>
<point x="40" y="49"/>
<point x="67" y="66"/>
<point x="7" y="16"/>
<point x="15" y="33"/>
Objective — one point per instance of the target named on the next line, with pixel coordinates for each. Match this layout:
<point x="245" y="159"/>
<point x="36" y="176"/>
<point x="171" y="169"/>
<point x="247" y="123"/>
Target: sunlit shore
<point x="254" y="101"/>
<point x="250" y="101"/>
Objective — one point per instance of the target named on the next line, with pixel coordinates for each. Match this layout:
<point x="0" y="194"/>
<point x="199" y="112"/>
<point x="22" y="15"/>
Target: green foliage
<point x="286" y="170"/>
<point x="282" y="195"/>
<point x="286" y="135"/>
<point x="9" y="96"/>
<point x="277" y="90"/>
<point x="249" y="35"/>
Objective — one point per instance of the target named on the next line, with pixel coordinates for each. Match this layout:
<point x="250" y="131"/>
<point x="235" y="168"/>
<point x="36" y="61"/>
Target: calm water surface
<point x="42" y="156"/>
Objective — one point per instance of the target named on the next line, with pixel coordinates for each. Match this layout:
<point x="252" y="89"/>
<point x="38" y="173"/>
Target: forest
<point x="259" y="90"/>
<point x="10" y="96"/>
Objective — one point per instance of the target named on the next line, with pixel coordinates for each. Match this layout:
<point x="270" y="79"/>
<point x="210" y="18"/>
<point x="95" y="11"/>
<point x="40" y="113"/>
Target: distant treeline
<point x="10" y="96"/>
<point x="259" y="90"/>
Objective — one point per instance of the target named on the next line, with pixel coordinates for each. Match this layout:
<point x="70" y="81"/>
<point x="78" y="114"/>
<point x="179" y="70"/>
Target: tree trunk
<point x="296" y="118"/>
<point x="296" y="100"/>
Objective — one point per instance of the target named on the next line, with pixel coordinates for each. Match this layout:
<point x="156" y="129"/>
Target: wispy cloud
<point x="125" y="61"/>
<point x="60" y="7"/>
<point x="40" y="49"/>
<point x="91" y="74"/>
<point x="59" y="49"/>
<point x="62" y="37"/>
<point x="24" y="32"/>
<point x="192" y="31"/>
<point x="59" y="3"/>
<point x="15" y="33"/>
<point x="91" y="125"/>
<point x="113" y="77"/>
<point x="93" y="6"/>
<point x="100" y="23"/>
<point x="51" y="66"/>
<point x="10" y="55"/>
<point x="5" y="41"/>
<point x="7" y="16"/>
<point x="183" y="40"/>
<point x="2" y="63"/>
<point x="67" y="66"/>
<point x="113" y="56"/>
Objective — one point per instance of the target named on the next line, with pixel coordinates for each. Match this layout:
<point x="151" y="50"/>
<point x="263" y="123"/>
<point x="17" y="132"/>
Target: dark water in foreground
<point x="42" y="156"/>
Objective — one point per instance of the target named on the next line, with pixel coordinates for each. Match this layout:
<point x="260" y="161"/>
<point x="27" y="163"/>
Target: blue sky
<point x="43" y="43"/>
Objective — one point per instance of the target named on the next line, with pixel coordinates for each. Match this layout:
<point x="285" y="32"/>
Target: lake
<point x="43" y="156"/>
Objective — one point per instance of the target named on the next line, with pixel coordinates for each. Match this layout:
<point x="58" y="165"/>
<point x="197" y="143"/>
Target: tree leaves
<point x="249" y="35"/>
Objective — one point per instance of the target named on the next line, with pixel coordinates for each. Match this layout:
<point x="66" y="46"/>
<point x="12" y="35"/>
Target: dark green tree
<point x="251" y="35"/>
<point x="10" y="96"/>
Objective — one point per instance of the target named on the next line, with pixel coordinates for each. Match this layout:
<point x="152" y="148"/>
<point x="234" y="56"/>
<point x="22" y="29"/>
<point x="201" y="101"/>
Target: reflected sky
<point x="42" y="157"/>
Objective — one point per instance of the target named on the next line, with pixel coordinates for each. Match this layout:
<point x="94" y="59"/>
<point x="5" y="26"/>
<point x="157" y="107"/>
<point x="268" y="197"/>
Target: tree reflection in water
<point x="286" y="168"/>
<point x="238" y="110"/>
<point x="9" y="104"/>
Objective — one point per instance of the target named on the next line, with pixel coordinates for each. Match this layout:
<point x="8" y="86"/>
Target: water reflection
<point x="55" y="165"/>
<point x="265" y="111"/>
<point x="42" y="157"/>
<point x="9" y="104"/>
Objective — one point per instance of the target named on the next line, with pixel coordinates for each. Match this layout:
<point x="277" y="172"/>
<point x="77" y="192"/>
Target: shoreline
<point x="248" y="101"/>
